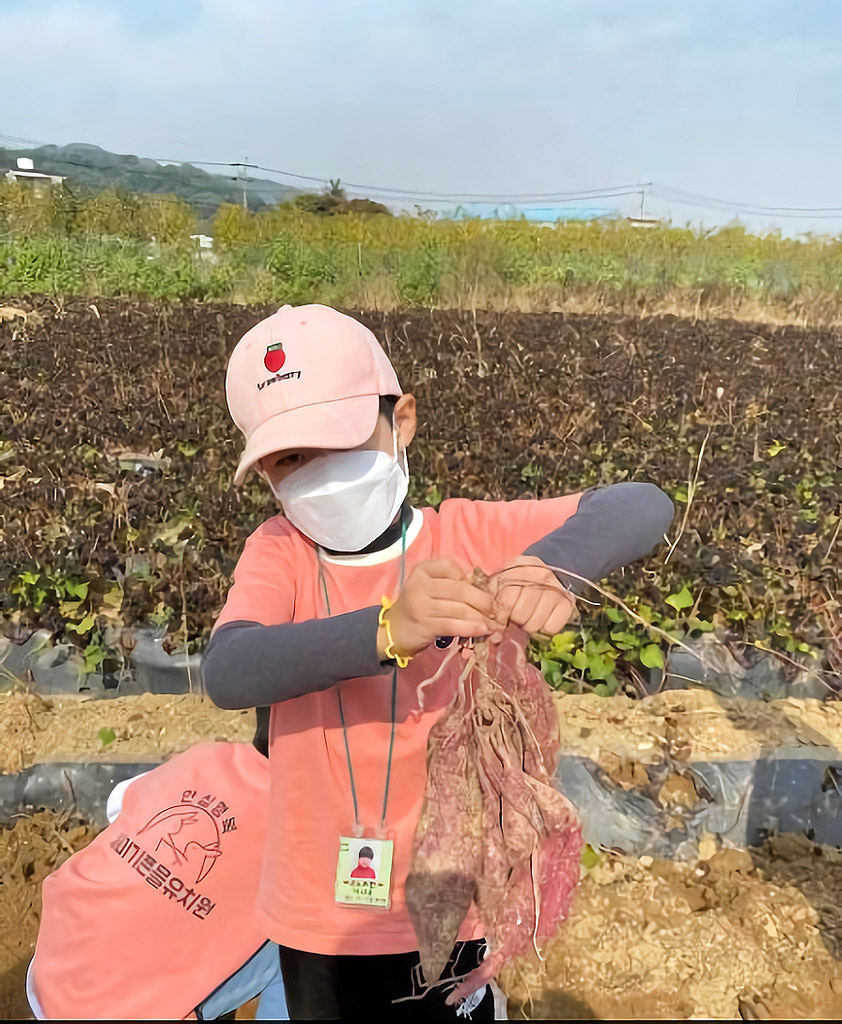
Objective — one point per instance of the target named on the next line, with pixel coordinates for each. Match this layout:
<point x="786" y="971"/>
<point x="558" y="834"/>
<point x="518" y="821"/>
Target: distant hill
<point x="95" y="168"/>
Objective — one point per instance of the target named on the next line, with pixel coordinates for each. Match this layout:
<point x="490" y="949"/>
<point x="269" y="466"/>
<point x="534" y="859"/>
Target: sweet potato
<point x="494" y="828"/>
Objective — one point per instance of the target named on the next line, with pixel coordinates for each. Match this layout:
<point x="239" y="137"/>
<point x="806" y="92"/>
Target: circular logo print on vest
<point x="275" y="357"/>
<point x="187" y="838"/>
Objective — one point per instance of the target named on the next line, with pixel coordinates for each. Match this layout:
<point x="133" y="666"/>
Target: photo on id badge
<point x="363" y="872"/>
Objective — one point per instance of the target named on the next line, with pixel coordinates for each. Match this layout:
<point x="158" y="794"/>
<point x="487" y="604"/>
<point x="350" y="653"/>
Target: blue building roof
<point x="535" y="214"/>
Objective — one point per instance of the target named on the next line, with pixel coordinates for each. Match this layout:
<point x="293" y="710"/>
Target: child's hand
<point x="437" y="600"/>
<point x="529" y="594"/>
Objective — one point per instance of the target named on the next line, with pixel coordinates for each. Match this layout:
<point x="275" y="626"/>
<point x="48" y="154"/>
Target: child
<point x="154" y="919"/>
<point x="339" y="609"/>
<point x="364" y="868"/>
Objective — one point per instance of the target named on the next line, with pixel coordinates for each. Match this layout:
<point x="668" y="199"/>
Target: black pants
<point x="338" y="987"/>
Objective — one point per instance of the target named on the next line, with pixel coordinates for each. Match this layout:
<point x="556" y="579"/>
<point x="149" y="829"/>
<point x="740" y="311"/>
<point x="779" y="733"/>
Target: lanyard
<point x="323" y="582"/>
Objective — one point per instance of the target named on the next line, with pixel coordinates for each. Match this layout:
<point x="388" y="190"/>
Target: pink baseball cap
<point x="306" y="377"/>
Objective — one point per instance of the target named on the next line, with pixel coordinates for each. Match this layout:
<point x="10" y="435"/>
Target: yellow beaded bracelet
<point x="385" y="604"/>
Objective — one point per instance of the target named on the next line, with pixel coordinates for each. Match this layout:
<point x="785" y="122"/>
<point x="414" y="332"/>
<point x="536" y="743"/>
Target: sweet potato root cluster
<point x="494" y="829"/>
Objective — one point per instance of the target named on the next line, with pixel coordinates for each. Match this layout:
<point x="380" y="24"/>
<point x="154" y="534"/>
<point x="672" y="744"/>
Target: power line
<point x="408" y="193"/>
<point x="26" y="142"/>
<point x="669" y="194"/>
<point x="517" y="200"/>
<point x="665" y="193"/>
<point x="530" y="197"/>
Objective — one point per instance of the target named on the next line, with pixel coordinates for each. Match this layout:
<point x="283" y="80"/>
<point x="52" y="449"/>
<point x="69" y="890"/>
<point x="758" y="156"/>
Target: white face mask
<point x="343" y="501"/>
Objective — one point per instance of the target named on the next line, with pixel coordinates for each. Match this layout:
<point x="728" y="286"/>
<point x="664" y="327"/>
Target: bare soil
<point x="685" y="724"/>
<point x="752" y="934"/>
<point x="148" y="727"/>
<point x="741" y="934"/>
<point x="30" y="851"/>
<point x="695" y="725"/>
<point x="755" y="934"/>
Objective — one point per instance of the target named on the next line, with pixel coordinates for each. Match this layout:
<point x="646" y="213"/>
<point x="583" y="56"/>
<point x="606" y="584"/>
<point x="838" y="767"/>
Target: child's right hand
<point x="438" y="599"/>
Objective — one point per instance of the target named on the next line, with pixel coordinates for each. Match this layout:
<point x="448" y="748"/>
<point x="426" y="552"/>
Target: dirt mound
<point x="741" y="934"/>
<point x="752" y="934"/>
<point x="145" y="727"/>
<point x="693" y="725"/>
<point x="36" y="846"/>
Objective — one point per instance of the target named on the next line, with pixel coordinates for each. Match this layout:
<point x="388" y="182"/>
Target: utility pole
<point x="245" y="179"/>
<point x="642" y="197"/>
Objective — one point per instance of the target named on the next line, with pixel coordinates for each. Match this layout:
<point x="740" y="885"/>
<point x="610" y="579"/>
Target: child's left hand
<point x="529" y="595"/>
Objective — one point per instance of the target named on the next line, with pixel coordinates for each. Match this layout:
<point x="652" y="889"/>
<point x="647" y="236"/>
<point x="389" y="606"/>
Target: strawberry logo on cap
<point x="275" y="357"/>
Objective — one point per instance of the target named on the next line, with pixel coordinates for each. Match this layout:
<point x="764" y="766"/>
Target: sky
<point x="733" y="99"/>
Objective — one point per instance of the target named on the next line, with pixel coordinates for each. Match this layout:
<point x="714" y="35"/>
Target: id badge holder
<point x="364" y="869"/>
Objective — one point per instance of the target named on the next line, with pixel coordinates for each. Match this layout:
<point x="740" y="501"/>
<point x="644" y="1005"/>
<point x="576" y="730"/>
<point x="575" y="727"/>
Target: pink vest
<point x="158" y="910"/>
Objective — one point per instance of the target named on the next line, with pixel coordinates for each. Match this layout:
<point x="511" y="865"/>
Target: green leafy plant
<point x="106" y="736"/>
<point x="95" y="654"/>
<point x="590" y="857"/>
<point x="610" y="648"/>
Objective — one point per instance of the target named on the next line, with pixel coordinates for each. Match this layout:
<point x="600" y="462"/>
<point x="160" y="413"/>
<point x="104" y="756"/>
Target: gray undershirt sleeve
<point x="250" y="665"/>
<point x="613" y="526"/>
